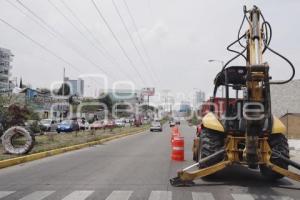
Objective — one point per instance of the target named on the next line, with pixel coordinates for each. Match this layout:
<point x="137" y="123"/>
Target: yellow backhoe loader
<point x="247" y="133"/>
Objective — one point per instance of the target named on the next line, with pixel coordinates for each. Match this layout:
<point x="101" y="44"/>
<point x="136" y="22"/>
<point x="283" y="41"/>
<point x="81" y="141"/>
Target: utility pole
<point x="63" y="85"/>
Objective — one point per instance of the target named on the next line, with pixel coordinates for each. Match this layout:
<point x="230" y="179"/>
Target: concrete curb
<point x="36" y="156"/>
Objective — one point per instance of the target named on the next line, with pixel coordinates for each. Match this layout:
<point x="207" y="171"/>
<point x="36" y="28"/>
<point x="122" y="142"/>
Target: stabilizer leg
<point x="185" y="178"/>
<point x="284" y="172"/>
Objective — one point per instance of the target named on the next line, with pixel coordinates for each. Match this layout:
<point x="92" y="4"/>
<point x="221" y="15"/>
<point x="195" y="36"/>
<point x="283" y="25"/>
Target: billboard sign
<point x="148" y="91"/>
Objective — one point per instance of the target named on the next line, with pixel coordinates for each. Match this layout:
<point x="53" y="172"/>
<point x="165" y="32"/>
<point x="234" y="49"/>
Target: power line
<point x="77" y="29"/>
<point x="39" y="44"/>
<point x="105" y="51"/>
<point x="36" y="16"/>
<point x="117" y="40"/>
<point x="139" y="36"/>
<point x="30" y="17"/>
<point x="39" y="23"/>
<point x="59" y="36"/>
<point x="131" y="38"/>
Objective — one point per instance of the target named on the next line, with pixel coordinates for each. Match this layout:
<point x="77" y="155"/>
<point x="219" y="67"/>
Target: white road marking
<point x="119" y="195"/>
<point x="5" y="193"/>
<point x="37" y="195"/>
<point x="79" y="195"/>
<point x="242" y="197"/>
<point x="281" y="198"/>
<point x="160" y="195"/>
<point x="202" y="196"/>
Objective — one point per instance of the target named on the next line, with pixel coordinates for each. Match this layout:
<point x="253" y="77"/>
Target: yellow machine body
<point x="211" y="121"/>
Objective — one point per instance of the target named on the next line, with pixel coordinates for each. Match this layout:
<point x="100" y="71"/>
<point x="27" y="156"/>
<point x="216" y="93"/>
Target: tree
<point x="3" y="113"/>
<point x="21" y="83"/>
<point x="17" y="115"/>
<point x="107" y="101"/>
<point x="12" y="114"/>
<point x="64" y="90"/>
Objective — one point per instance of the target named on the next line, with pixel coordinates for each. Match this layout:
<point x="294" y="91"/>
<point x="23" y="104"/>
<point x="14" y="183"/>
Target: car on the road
<point x="48" y="125"/>
<point x="155" y="126"/>
<point x="109" y="124"/>
<point x="96" y="125"/>
<point x="68" y="126"/>
<point x="120" y="122"/>
<point x="177" y="121"/>
<point x="172" y="123"/>
<point x="83" y="125"/>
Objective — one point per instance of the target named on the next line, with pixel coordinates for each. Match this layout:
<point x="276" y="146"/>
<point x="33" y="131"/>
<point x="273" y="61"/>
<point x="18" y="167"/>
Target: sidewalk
<point x="294" y="149"/>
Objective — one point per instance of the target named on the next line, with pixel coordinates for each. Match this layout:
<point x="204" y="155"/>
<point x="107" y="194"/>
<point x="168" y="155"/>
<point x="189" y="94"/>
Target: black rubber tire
<point x="278" y="143"/>
<point x="210" y="142"/>
<point x="196" y="153"/>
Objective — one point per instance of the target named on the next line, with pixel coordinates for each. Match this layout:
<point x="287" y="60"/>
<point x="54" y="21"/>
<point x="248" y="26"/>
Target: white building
<point x="5" y="68"/>
<point x="199" y="97"/>
<point x="286" y="98"/>
<point x="76" y="86"/>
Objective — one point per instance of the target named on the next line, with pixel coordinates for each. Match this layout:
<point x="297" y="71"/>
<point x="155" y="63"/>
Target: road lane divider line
<point x="242" y="197"/>
<point x="202" y="196"/>
<point x="281" y="198"/>
<point x="79" y="195"/>
<point x="38" y="195"/>
<point x="119" y="195"/>
<point x="160" y="195"/>
<point x="5" y="193"/>
<point x="44" y="154"/>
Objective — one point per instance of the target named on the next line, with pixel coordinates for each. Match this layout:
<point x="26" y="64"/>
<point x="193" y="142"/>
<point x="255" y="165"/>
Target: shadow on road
<point x="242" y="176"/>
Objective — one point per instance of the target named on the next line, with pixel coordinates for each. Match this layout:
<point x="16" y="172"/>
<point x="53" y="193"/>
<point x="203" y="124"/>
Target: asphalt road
<point x="136" y="167"/>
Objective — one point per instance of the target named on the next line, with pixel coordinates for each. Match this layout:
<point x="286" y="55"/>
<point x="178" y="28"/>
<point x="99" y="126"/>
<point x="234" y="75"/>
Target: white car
<point x="155" y="126"/>
<point x="120" y="122"/>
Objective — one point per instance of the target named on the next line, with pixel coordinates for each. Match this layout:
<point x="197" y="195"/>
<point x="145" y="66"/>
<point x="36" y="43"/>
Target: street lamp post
<point x="222" y="63"/>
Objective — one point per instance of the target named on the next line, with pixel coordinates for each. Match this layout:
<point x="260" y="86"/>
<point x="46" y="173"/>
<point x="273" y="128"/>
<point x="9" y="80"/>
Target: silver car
<point x="155" y="126"/>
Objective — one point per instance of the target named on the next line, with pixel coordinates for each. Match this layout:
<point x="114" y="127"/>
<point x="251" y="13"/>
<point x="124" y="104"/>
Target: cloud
<point x="155" y="34"/>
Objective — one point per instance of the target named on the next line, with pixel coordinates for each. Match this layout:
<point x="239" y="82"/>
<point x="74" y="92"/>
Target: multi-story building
<point x="185" y="107"/>
<point x="5" y="68"/>
<point x="286" y="98"/>
<point x="77" y="86"/>
<point x="199" y="97"/>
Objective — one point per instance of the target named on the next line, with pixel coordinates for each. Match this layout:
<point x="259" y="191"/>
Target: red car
<point x="97" y="125"/>
<point x="109" y="124"/>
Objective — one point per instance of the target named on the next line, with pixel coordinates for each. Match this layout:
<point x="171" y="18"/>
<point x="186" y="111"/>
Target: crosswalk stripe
<point x="160" y="195"/>
<point x="79" y="195"/>
<point x="202" y="196"/>
<point x="5" y="193"/>
<point x="37" y="195"/>
<point x="242" y="196"/>
<point x="281" y="198"/>
<point x="119" y="195"/>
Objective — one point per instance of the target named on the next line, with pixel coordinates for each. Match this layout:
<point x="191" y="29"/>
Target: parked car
<point x="96" y="125"/>
<point x="155" y="126"/>
<point x="67" y="126"/>
<point x="120" y="122"/>
<point x="83" y="124"/>
<point x="48" y="125"/>
<point x="109" y="124"/>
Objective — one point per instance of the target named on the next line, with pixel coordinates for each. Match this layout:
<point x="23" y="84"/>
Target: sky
<point x="175" y="39"/>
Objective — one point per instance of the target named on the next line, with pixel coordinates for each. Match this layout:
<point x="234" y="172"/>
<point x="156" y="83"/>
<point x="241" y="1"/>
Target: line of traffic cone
<point x="177" y="145"/>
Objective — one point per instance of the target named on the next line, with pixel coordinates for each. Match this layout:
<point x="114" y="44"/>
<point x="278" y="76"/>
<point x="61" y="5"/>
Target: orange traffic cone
<point x="178" y="148"/>
<point x="175" y="133"/>
<point x="175" y="130"/>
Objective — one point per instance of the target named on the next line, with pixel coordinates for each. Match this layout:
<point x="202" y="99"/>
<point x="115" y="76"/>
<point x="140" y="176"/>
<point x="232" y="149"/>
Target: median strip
<point x="36" y="156"/>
